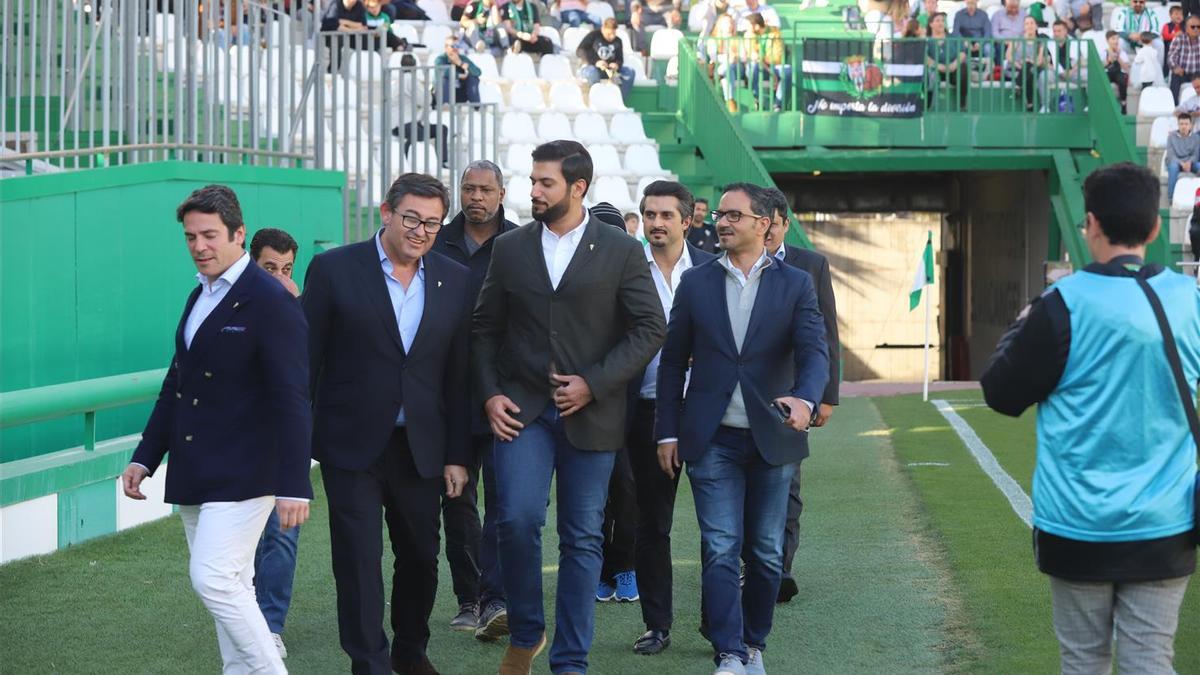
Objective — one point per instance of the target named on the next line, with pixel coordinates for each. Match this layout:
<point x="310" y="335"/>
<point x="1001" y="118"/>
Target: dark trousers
<point x="359" y="502"/>
<point x="1121" y="79"/>
<point x="471" y="549"/>
<point x="655" y="508"/>
<point x="542" y="45"/>
<point x="1178" y="81"/>
<point x="1194" y="235"/>
<point x="1026" y="81"/>
<point x="620" y="519"/>
<point x="791" y="535"/>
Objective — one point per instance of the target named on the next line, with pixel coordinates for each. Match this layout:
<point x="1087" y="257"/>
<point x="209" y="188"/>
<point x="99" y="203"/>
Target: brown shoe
<point x="519" y="660"/>
<point x="421" y="667"/>
<point x="733" y="107"/>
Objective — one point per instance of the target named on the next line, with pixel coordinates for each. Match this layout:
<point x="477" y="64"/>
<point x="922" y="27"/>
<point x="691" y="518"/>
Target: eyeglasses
<point x="1193" y="26"/>
<point x="732" y="216"/>
<point x="413" y="222"/>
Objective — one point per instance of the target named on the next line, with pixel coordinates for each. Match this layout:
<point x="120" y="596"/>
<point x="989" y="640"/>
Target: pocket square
<point x="233" y="329"/>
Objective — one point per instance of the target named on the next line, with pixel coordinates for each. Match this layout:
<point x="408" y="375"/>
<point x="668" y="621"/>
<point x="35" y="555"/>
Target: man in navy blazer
<point x="233" y="412"/>
<point x="751" y="329"/>
<point x="389" y="322"/>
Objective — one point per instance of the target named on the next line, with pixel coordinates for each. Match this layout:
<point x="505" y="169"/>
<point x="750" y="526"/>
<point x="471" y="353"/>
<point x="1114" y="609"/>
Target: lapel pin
<point x="236" y="304"/>
<point x="439" y="284"/>
<point x="591" y="247"/>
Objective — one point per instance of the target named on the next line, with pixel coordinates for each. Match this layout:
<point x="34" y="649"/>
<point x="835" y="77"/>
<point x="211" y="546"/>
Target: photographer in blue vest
<point x="1114" y="484"/>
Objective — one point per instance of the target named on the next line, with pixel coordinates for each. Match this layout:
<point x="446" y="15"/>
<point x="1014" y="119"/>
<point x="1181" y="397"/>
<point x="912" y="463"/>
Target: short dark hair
<point x="420" y="185"/>
<point x="936" y="15"/>
<point x="214" y="199"/>
<point x="1184" y="116"/>
<point x="702" y="200"/>
<point x="760" y="202"/>
<point x="1110" y="33"/>
<point x="778" y="201"/>
<point x="576" y="162"/>
<point x="1060" y="22"/>
<point x="1124" y="199"/>
<point x="669" y="188"/>
<point x="275" y="238"/>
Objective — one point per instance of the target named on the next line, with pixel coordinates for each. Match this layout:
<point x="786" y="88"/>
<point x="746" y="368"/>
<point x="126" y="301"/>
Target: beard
<point x="553" y="212"/>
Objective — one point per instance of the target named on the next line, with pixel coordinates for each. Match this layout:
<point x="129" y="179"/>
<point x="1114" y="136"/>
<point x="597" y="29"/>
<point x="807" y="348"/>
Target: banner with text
<point x="862" y="78"/>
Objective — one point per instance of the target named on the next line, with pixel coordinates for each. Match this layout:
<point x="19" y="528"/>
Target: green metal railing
<point x="84" y="397"/>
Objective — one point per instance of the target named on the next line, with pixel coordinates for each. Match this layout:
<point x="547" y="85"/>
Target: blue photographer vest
<point x="1116" y="460"/>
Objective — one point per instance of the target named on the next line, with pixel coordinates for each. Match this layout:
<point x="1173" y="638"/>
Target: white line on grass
<point x="987" y="461"/>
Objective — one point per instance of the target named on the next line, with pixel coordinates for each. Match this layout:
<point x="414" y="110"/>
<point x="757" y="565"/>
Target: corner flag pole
<point x="925" y="387"/>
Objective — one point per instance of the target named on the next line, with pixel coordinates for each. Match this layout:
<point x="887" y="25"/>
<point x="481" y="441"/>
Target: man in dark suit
<point x="751" y="328"/>
<point x="667" y="209"/>
<point x="471" y="550"/>
<point x="233" y="413"/>
<point x="388" y="344"/>
<point x="567" y="316"/>
<point x="817" y="267"/>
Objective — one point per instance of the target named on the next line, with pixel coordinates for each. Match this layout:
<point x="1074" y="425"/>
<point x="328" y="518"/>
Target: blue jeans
<point x="465" y="90"/>
<point x="274" y="569"/>
<point x="593" y="75"/>
<point x="574" y="17"/>
<point x="740" y="499"/>
<point x="524" y="467"/>
<point x="783" y="90"/>
<point x="1173" y="170"/>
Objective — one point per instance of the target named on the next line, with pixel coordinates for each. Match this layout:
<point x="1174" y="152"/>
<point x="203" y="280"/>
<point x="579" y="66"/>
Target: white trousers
<point x="222" y="538"/>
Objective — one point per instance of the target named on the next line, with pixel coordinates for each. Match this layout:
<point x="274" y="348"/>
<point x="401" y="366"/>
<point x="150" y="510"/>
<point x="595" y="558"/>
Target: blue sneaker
<point x="627" y="590"/>
<point x="605" y="592"/>
<point x="730" y="665"/>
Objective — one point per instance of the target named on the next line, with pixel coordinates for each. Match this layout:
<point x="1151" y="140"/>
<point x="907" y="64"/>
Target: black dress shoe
<point x="420" y="667"/>
<point x="787" y="590"/>
<point x="652" y="642"/>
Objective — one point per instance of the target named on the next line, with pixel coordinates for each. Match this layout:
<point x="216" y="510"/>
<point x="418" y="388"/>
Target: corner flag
<point x="924" y="274"/>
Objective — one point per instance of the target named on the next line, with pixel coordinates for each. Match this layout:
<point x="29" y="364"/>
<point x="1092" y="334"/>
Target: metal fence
<point x="92" y="83"/>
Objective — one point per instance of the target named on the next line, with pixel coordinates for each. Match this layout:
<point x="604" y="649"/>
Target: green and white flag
<point x="923" y="276"/>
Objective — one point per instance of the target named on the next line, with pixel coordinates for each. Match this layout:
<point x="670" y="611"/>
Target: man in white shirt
<point x="234" y="414"/>
<point x="768" y="13"/>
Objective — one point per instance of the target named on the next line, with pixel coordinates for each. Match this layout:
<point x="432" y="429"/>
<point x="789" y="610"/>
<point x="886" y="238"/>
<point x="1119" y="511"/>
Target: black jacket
<point x="817" y="267"/>
<point x="703" y="237"/>
<point x="595" y="48"/>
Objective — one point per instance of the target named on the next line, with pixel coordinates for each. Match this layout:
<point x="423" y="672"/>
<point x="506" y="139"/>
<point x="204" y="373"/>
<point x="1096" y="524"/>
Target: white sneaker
<point x="279" y="645"/>
<point x="730" y="665"/>
<point x="754" y="665"/>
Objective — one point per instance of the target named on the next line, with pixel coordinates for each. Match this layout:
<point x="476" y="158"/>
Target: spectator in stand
<point x="633" y="226"/>
<point x="1138" y="27"/>
<point x="483" y="27"/>
<point x="457" y="9"/>
<point x="945" y="61"/>
<point x="1082" y="15"/>
<point x="972" y="22"/>
<point x="1116" y="65"/>
<point x="768" y="14"/>
<point x="767" y="60"/>
<point x="727" y="56"/>
<point x="464" y="74"/>
<point x="713" y="11"/>
<point x="1184" y="57"/>
<point x="1066" y="59"/>
<point x="648" y="14"/>
<point x="523" y="23"/>
<point x="925" y="12"/>
<point x="1028" y="59"/>
<point x="574" y="13"/>
<point x="701" y="233"/>
<point x="1183" y="152"/>
<point x="603" y="57"/>
<point x="344" y="16"/>
<point x="1171" y="30"/>
<point x="380" y="19"/>
<point x="1192" y="105"/>
<point x="1011" y="22"/>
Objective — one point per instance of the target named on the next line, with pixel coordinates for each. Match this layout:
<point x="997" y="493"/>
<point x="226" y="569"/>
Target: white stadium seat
<point x="1186" y="92"/>
<point x="435" y="36"/>
<point x="605" y="97"/>
<point x="552" y="35"/>
<point x="591" y="128"/>
<point x="642" y="160"/>
<point x="1156" y="102"/>
<point x="423" y="158"/>
<point x="518" y="159"/>
<point x="488" y="70"/>
<point x="553" y="126"/>
<point x="1161" y="128"/>
<point x="435" y="10"/>
<point x="641" y="186"/>
<point x="518" y="67"/>
<point x="555" y="67"/>
<point x="489" y="92"/>
<point x="606" y="161"/>
<point x="516" y="194"/>
<point x="696" y="15"/>
<point x="517" y="127"/>
<point x="406" y="30"/>
<point x="633" y="61"/>
<point x="526" y="96"/>
<point x="627" y="128"/>
<point x="615" y="191"/>
<point x="567" y="97"/>
<point x="665" y="43"/>
<point x="1185" y="193"/>
<point x="602" y="10"/>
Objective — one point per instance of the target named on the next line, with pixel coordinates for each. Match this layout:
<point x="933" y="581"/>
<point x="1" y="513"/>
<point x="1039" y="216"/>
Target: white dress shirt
<point x="666" y="295"/>
<point x="558" y="251"/>
<point x="211" y="295"/>
<point x="408" y="304"/>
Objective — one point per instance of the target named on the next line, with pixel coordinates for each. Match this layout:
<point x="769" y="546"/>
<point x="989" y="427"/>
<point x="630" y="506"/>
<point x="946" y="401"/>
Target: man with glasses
<point x="760" y="364"/>
<point x="388" y="322"/>
<point x="1184" y="59"/>
<point x="1138" y="27"/>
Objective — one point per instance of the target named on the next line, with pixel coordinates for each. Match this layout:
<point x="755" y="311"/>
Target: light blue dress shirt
<point x="407" y="304"/>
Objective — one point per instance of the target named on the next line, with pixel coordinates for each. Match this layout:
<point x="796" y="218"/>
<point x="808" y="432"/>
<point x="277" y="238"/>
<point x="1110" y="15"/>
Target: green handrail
<point x="84" y="397"/>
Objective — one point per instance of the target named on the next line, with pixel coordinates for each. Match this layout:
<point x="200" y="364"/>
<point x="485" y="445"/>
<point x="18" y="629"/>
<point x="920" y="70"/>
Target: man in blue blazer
<point x="233" y="412"/>
<point x="389" y="323"/>
<point x="751" y="328"/>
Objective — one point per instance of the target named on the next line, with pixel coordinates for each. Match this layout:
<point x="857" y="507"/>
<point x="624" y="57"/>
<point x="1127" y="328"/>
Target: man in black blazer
<point x="388" y="343"/>
<point x="817" y="267"/>
<point x="233" y="413"/>
<point x="567" y="316"/>
<point x="751" y="331"/>
<point x="470" y="549"/>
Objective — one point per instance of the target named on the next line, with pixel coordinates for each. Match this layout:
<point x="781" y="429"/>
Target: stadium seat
<point x="1185" y="193"/>
<point x="516" y="194"/>
<point x="605" y="97"/>
<point x="572" y="37"/>
<point x="567" y="97"/>
<point x="590" y="128"/>
<point x="627" y="128"/>
<point x="517" y="127"/>
<point x="423" y="158"/>
<point x="1155" y="102"/>
<point x="555" y="67"/>
<point x="641" y="186"/>
<point x="1186" y="93"/>
<point x="435" y="10"/>
<point x="489" y="92"/>
<point x="488" y="70"/>
<point x="603" y="10"/>
<point x="615" y="191"/>
<point x="365" y="66"/>
<point x="435" y="35"/>
<point x="665" y="44"/>
<point x="1162" y="128"/>
<point x="633" y="61"/>
<point x="518" y="159"/>
<point x="642" y="160"/>
<point x="406" y="30"/>
<point x="606" y="161"/>
<point x="553" y="126"/>
<point x="526" y="96"/>
<point x="552" y="35"/>
<point x="518" y="67"/>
